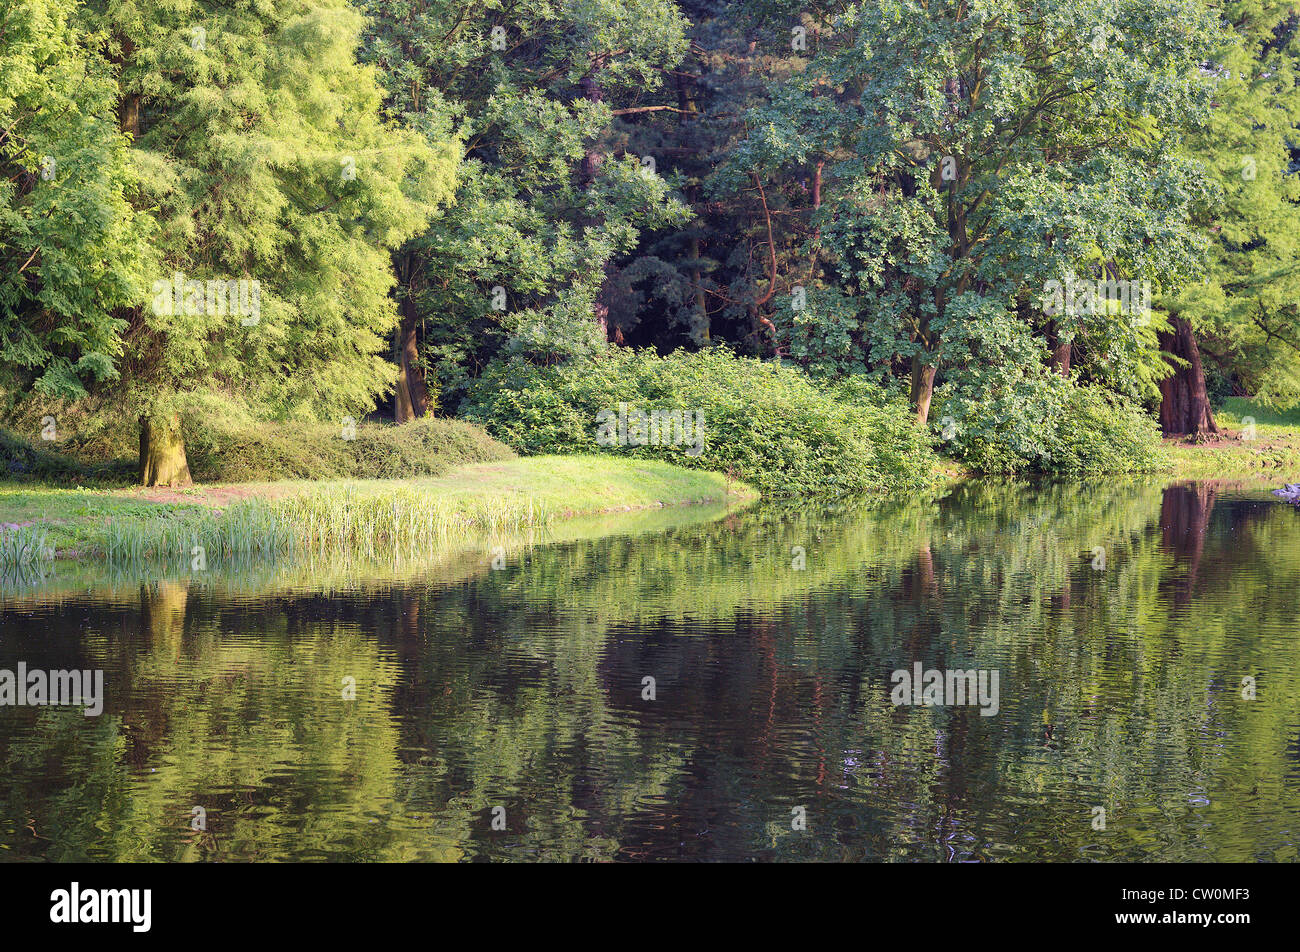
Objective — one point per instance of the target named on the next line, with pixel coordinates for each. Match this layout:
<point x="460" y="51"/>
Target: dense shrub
<point x="1044" y="423"/>
<point x="224" y="443"/>
<point x="271" y="451"/>
<point x="23" y="459"/>
<point x="769" y="425"/>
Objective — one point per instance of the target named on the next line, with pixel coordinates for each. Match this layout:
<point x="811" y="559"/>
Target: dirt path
<point x="217" y="497"/>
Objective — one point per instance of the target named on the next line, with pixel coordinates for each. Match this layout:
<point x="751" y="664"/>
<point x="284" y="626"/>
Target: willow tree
<point x="279" y="189"/>
<point x="970" y="154"/>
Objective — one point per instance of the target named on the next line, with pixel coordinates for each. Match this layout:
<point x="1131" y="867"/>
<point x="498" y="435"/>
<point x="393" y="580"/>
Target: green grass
<point x="1234" y="408"/>
<point x="1271" y="452"/>
<point x="369" y="518"/>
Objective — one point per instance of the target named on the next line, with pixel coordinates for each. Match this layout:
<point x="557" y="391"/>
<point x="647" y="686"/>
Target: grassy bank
<point x="362" y="517"/>
<point x="1270" y="451"/>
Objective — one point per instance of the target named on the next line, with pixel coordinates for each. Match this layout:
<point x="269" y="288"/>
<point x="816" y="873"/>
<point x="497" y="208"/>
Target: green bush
<point x="272" y="451"/>
<point x="22" y="459"/>
<point x="769" y="425"/>
<point x="1044" y="423"/>
<point x="224" y="443"/>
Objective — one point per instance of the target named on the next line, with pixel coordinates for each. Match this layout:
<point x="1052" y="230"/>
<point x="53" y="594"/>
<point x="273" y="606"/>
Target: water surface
<point x="1121" y="619"/>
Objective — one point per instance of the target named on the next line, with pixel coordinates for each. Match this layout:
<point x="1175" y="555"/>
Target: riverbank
<point x="341" y="516"/>
<point x="414" y="515"/>
<point x="1256" y="443"/>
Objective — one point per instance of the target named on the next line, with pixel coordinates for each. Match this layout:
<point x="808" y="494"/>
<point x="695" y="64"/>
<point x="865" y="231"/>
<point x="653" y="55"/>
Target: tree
<point x="72" y="250"/>
<point x="542" y="211"/>
<point x="1248" y="309"/>
<point x="975" y="154"/>
<point x="261" y="150"/>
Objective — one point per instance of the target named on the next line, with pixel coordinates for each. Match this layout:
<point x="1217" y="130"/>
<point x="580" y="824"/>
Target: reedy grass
<point x="335" y="522"/>
<point x="22" y="547"/>
<point x="376" y="520"/>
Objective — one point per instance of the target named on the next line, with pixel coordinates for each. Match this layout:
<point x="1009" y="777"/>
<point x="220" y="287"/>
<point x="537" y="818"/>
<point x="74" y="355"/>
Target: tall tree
<point x="72" y="251"/>
<point x="544" y="207"/>
<point x="1247" y="311"/>
<point x="976" y="152"/>
<point x="261" y="150"/>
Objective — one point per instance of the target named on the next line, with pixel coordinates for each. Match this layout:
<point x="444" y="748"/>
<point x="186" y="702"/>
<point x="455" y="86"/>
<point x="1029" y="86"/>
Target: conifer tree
<point x="262" y="152"/>
<point x="1246" y="314"/>
<point x="72" y="250"/>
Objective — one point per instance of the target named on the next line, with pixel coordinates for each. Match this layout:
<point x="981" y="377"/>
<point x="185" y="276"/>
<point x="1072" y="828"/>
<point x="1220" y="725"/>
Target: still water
<point x="1146" y="640"/>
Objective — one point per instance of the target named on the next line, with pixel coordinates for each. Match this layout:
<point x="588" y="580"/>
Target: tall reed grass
<point x="335" y="522"/>
<point x="23" y="546"/>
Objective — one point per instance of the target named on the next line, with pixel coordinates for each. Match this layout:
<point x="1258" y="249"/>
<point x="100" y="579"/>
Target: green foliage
<point x="969" y="154"/>
<point x="22" y="459"/>
<point x="1247" y="311"/>
<point x="71" y="247"/>
<point x="268" y="451"/>
<point x="1039" y="422"/>
<point x="544" y="204"/>
<point x="866" y="190"/>
<point x="263" y="155"/>
<point x="768" y="424"/>
<point x="227" y="443"/>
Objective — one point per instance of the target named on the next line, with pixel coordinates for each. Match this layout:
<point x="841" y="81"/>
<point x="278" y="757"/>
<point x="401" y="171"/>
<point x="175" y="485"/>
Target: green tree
<point x="72" y="250"/>
<point x="1247" y="313"/>
<point x="973" y="153"/>
<point x="262" y="152"/>
<point x="542" y="210"/>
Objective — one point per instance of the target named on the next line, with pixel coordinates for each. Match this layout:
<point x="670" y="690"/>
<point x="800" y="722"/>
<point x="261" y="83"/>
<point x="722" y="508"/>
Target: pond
<point x="692" y="686"/>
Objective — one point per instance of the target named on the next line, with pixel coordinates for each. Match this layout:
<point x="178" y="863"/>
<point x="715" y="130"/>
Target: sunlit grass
<point x="23" y="546"/>
<point x="329" y="522"/>
<point x="1268" y="450"/>
<point x="362" y="519"/>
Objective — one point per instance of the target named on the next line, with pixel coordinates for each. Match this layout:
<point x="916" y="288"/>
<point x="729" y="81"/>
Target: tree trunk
<point x="128" y="115"/>
<point x="162" y="452"/>
<point x="922" y="389"/>
<point x="1060" y="359"/>
<point x="592" y="161"/>
<point x="1184" y="402"/>
<point x="411" y="400"/>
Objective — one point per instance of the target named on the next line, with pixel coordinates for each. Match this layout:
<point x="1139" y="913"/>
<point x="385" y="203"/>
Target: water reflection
<point x="525" y="689"/>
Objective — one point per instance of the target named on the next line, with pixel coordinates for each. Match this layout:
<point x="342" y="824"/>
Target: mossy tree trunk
<point x="162" y="451"/>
